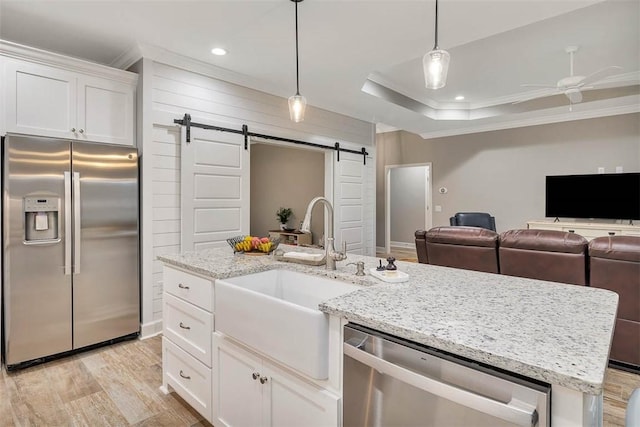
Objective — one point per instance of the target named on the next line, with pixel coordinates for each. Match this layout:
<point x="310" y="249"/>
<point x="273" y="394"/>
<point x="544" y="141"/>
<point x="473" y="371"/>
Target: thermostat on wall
<point x="443" y="190"/>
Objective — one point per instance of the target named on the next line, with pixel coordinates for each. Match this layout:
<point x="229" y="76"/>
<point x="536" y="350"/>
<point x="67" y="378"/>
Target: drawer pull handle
<point x="181" y="286"/>
<point x="255" y="375"/>
<point x="263" y="380"/>
<point x="572" y="231"/>
<point x="184" y="327"/>
<point x="612" y="233"/>
<point x="186" y="377"/>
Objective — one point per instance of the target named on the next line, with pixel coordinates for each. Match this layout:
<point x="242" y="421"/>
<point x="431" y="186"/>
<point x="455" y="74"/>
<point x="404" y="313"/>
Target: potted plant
<point x="283" y="215"/>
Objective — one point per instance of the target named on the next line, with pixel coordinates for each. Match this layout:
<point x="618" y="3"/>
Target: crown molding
<point x="26" y="53"/>
<point x="127" y="58"/>
<point x="534" y="121"/>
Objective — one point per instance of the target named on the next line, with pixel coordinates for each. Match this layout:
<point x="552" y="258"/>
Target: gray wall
<point x="287" y="177"/>
<point x="407" y="202"/>
<point x="503" y="172"/>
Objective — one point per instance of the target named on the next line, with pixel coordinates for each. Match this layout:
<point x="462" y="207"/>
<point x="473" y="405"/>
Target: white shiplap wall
<point x="175" y="91"/>
<point x="165" y="160"/>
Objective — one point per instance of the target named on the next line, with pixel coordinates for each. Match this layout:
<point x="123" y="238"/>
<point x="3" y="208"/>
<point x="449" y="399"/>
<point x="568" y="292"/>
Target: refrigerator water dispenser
<point x="41" y="219"/>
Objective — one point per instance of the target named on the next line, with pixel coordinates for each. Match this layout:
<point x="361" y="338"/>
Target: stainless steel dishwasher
<point x="392" y="382"/>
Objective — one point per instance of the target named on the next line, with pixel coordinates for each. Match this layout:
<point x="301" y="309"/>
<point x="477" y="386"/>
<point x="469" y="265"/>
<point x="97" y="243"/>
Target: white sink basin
<point x="276" y="312"/>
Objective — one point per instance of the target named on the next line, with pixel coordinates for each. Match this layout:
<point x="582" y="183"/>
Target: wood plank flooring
<point x="111" y="386"/>
<point x="118" y="386"/>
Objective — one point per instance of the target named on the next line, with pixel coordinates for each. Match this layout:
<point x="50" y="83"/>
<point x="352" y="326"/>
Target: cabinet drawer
<point x="188" y="377"/>
<point x="193" y="289"/>
<point x="189" y="327"/>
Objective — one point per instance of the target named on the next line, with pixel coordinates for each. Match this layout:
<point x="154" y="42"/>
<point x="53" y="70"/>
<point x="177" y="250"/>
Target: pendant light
<point x="436" y="63"/>
<point x="297" y="102"/>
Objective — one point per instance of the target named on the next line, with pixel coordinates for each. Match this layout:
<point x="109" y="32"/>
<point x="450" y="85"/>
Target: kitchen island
<point x="555" y="333"/>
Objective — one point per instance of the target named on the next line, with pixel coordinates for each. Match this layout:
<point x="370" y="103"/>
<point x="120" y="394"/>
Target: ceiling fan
<point x="572" y="86"/>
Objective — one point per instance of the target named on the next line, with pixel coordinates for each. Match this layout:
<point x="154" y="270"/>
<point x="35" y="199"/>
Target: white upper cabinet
<point x="68" y="102"/>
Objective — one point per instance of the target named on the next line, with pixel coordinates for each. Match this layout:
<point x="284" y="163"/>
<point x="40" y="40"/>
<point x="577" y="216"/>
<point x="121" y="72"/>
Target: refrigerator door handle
<point x="76" y="223"/>
<point x="67" y="223"/>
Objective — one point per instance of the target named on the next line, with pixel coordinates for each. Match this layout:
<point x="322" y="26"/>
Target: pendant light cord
<point x="297" y="67"/>
<point x="435" y="46"/>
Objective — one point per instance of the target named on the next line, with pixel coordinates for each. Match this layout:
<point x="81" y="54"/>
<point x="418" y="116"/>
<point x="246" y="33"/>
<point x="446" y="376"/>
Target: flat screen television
<point x="599" y="196"/>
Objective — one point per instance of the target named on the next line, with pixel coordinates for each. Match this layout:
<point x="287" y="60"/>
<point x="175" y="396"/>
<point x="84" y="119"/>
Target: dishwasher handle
<point x="515" y="411"/>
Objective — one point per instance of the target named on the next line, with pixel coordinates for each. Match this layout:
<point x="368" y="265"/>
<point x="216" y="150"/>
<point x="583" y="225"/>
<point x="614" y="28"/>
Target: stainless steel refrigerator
<point x="70" y="246"/>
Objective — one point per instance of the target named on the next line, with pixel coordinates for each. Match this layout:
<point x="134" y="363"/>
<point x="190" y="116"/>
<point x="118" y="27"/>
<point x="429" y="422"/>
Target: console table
<point x="589" y="230"/>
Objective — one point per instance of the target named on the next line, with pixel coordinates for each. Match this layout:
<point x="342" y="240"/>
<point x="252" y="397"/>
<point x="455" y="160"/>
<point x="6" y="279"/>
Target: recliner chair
<point x="553" y="255"/>
<point x="471" y="248"/>
<point x="615" y="265"/>
<point x="474" y="219"/>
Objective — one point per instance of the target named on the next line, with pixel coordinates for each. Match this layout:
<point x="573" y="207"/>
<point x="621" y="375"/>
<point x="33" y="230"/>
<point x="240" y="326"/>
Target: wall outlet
<point x="438" y="208"/>
<point x="600" y="169"/>
<point x="618" y="169"/>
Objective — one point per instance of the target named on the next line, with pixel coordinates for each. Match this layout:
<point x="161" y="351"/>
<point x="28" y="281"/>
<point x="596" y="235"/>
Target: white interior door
<point x="214" y="188"/>
<point x="354" y="203"/>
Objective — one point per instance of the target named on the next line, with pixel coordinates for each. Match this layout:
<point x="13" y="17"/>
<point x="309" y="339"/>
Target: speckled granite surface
<point x="552" y="332"/>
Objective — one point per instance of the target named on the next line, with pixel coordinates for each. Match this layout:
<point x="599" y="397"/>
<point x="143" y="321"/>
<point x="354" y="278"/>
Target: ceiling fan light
<point x="297" y="106"/>
<point x="436" y="66"/>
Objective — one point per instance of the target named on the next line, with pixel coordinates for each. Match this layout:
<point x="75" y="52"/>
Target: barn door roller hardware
<point x="186" y="121"/>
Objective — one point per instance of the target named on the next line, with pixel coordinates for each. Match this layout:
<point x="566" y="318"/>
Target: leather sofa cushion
<point x="462" y="235"/>
<point x="544" y="240"/>
<point x="624" y="248"/>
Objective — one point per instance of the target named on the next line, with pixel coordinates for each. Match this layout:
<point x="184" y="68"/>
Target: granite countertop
<point x="556" y="333"/>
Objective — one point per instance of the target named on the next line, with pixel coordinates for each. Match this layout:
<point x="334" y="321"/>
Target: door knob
<point x="255" y="375"/>
<point x="81" y="131"/>
<point x="263" y="380"/>
<point x="73" y="130"/>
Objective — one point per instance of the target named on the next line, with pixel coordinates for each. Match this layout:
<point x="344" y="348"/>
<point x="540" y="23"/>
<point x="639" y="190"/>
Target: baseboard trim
<point x="380" y="249"/>
<point x="151" y="329"/>
<point x="403" y="245"/>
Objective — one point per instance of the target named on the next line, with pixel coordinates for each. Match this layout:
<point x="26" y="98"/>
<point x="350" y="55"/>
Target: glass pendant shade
<point x="436" y="65"/>
<point x="297" y="105"/>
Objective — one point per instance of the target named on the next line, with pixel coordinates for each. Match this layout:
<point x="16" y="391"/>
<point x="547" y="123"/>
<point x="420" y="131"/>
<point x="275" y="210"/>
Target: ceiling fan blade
<point x="574" y="96"/>
<point x="601" y="74"/>
<point x="543" y="94"/>
<point x="538" y="85"/>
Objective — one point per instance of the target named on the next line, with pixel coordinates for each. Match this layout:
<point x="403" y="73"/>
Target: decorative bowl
<point x="240" y="244"/>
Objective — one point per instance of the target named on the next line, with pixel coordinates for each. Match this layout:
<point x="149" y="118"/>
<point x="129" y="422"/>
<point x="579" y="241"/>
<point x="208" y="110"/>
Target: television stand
<point x="589" y="230"/>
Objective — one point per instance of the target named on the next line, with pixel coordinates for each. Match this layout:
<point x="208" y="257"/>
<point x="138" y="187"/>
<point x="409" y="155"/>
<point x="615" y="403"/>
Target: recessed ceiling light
<point x="459" y="98"/>
<point x="218" y="51"/>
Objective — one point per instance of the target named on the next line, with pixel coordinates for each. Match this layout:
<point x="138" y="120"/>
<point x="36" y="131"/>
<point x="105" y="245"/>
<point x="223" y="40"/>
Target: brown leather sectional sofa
<point x="611" y="262"/>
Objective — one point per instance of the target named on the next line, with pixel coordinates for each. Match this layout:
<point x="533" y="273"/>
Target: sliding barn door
<point x="354" y="203"/>
<point x="214" y="188"/>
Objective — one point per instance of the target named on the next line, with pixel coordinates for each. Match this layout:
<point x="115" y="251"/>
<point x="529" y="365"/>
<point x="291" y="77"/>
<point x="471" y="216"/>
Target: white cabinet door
<point x="237" y="391"/>
<point x="40" y="100"/>
<point x="251" y="392"/>
<point x="49" y="101"/>
<point x="291" y="402"/>
<point x="214" y="189"/>
<point x="105" y="111"/>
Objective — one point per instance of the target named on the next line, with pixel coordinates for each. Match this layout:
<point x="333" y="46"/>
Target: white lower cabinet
<point x="188" y="377"/>
<point x="249" y="391"/>
<point x="187" y="326"/>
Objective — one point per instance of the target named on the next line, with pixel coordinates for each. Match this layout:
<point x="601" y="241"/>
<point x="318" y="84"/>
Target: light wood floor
<point x="110" y="386"/>
<point x="118" y="386"/>
<point x="401" y="254"/>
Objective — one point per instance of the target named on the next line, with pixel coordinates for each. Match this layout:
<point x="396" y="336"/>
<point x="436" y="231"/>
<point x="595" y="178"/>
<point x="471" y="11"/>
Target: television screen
<point x="601" y="196"/>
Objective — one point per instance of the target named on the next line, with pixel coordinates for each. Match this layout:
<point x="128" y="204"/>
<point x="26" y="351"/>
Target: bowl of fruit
<point x="253" y="244"/>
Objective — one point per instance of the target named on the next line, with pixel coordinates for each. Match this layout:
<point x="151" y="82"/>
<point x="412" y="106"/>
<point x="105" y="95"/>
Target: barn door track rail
<point x="186" y="121"/>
